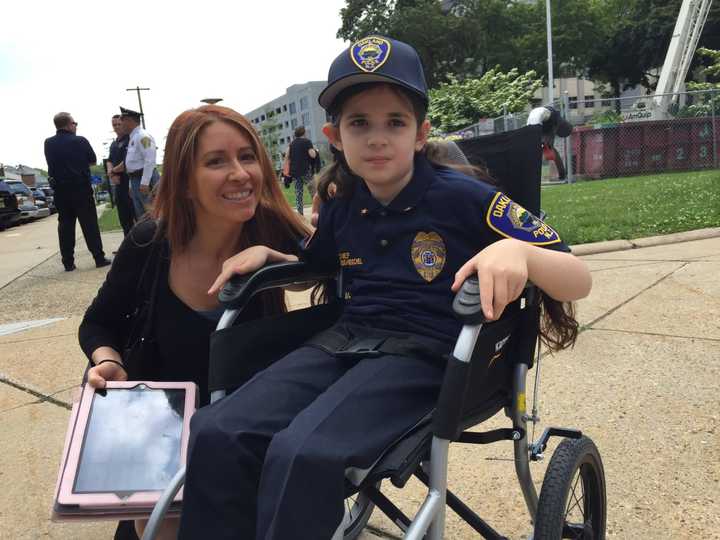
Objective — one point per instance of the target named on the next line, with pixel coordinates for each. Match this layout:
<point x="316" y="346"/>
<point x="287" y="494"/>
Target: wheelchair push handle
<point x="239" y="289"/>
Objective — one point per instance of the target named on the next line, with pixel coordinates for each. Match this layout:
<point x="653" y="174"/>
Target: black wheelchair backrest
<point x="514" y="159"/>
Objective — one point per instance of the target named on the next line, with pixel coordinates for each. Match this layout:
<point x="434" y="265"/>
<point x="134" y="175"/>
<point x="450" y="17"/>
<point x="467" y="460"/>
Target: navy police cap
<point x="375" y="59"/>
<point x="129" y="112"/>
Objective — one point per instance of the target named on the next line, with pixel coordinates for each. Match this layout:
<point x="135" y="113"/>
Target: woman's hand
<point x="502" y="270"/>
<point x="107" y="371"/>
<point x="247" y="261"/>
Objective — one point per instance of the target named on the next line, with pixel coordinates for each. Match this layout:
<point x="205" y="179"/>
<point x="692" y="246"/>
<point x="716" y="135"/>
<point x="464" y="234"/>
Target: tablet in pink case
<point x="124" y="445"/>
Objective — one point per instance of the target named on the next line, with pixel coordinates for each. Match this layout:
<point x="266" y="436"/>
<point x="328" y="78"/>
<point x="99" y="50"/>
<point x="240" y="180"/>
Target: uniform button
<point x="384" y="243"/>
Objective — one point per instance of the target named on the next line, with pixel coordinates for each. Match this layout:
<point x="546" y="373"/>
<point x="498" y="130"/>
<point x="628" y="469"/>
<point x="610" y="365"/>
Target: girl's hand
<point x="107" y="371"/>
<point x="502" y="270"/>
<point x="247" y="261"/>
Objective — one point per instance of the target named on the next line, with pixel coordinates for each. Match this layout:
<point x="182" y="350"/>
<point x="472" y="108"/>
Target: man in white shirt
<point x="139" y="161"/>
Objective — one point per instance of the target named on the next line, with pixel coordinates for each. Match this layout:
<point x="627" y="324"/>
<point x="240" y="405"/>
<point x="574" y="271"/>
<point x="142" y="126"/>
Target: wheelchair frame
<point x="429" y="520"/>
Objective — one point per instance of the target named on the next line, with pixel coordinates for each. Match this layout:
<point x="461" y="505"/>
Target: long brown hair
<point x="274" y="224"/>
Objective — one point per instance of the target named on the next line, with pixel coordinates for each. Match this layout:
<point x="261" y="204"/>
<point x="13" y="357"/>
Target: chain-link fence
<point x="629" y="135"/>
<point x="644" y="134"/>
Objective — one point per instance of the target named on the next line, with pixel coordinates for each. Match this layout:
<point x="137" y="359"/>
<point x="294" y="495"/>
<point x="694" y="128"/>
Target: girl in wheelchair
<point x="271" y="460"/>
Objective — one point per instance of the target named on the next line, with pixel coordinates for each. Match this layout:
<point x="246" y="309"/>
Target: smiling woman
<point x="153" y="316"/>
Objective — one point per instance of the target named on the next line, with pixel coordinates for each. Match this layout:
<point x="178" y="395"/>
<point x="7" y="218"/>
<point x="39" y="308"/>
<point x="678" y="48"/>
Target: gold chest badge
<point x="428" y="254"/>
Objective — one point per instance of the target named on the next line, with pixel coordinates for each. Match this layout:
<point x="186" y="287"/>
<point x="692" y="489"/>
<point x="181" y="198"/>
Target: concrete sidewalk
<point x="642" y="382"/>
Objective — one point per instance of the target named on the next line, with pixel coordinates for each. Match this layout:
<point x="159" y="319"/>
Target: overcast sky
<point x="80" y="56"/>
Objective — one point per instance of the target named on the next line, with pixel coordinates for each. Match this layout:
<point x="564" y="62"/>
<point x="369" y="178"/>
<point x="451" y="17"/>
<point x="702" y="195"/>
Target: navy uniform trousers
<point x="269" y="461"/>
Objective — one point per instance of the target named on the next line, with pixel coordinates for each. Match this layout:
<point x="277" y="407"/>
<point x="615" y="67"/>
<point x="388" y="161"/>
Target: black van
<point x="9" y="212"/>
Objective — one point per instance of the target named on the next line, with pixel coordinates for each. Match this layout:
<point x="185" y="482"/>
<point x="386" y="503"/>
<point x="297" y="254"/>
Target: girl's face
<point x="227" y="181"/>
<point x="379" y="135"/>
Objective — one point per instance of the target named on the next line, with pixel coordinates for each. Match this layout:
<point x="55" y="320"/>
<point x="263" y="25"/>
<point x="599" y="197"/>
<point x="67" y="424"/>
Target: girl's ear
<point x="333" y="135"/>
<point x="422" y="135"/>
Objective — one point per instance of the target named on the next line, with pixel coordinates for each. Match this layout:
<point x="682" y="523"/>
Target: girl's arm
<point x="504" y="267"/>
<point x="248" y="260"/>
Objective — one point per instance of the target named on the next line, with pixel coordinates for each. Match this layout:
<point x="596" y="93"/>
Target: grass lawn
<point x="633" y="207"/>
<point x="607" y="209"/>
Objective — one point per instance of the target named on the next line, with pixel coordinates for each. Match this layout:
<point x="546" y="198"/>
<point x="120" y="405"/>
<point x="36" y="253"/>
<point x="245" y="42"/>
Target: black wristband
<point x="112" y="362"/>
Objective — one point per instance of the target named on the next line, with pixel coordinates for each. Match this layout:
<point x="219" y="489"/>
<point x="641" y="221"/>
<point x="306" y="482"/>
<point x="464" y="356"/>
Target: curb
<point x="623" y="245"/>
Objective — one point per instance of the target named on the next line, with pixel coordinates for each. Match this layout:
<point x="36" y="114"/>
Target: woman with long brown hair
<point x="218" y="195"/>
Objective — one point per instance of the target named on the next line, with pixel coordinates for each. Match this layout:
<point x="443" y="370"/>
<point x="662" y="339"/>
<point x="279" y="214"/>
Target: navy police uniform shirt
<point x="399" y="260"/>
<point x="69" y="157"/>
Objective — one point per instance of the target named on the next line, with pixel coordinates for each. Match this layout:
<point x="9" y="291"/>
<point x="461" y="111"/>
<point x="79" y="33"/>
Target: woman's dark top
<point x="182" y="334"/>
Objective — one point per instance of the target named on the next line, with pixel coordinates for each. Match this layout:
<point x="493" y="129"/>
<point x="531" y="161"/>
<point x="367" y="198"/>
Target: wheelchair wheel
<point x="572" y="500"/>
<point x="358" y="509"/>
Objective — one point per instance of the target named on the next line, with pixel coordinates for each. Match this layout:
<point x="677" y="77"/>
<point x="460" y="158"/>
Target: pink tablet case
<point x="96" y="506"/>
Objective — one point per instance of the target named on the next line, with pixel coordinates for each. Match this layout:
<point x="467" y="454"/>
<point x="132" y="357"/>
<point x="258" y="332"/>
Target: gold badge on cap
<point x="428" y="254"/>
<point x="370" y="53"/>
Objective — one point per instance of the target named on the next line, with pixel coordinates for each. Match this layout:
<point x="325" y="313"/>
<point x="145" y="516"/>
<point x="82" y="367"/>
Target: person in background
<point x="120" y="180"/>
<point x="301" y="154"/>
<point x="69" y="157"/>
<point x="139" y="161"/>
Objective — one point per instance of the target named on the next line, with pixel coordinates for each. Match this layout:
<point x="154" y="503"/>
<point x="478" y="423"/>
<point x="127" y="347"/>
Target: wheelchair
<point x="485" y="374"/>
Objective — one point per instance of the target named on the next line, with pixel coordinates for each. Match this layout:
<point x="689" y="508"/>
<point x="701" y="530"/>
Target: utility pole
<point x="138" y="90"/>
<point x="548" y="31"/>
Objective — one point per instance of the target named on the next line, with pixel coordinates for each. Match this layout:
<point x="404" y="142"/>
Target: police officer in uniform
<point x="120" y="180"/>
<point x="139" y="161"/>
<point x="69" y="158"/>
<point x="271" y="460"/>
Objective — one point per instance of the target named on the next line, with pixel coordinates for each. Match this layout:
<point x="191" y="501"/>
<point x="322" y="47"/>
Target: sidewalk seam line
<point x="633" y="297"/>
<point x="654" y="334"/>
<point x="42" y="397"/>
<point x="30" y="269"/>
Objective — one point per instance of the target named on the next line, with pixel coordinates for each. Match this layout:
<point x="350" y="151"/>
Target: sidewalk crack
<point x="633" y="297"/>
<point x="41" y="397"/>
<point x="656" y="334"/>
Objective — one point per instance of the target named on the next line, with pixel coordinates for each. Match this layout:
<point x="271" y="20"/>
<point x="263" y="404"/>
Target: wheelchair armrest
<point x="467" y="307"/>
<point x="240" y="289"/>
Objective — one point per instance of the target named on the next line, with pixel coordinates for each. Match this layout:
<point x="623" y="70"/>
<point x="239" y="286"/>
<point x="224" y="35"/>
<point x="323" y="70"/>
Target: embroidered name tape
<point x="511" y="220"/>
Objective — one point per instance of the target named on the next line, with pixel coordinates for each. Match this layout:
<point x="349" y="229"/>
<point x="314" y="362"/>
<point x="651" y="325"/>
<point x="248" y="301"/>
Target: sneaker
<point x="99" y="263"/>
<point x="70" y="267"/>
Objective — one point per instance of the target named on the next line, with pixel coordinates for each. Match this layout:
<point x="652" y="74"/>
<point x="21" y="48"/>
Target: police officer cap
<point x="375" y="59"/>
<point x="129" y="112"/>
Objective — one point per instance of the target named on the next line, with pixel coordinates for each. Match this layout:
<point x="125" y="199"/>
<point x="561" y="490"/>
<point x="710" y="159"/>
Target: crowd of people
<point x="406" y="227"/>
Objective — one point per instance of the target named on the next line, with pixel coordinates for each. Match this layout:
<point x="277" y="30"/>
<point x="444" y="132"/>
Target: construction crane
<point x="688" y="28"/>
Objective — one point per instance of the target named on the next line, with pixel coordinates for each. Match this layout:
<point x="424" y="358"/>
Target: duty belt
<point x="135" y="174"/>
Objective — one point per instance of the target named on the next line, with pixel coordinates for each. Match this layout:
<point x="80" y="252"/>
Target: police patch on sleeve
<point x="370" y="53"/>
<point x="428" y="254"/>
<point x="509" y="219"/>
<point x="146" y="142"/>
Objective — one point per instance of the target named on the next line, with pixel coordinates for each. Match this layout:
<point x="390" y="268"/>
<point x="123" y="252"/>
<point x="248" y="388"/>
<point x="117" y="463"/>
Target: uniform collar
<point x="135" y="130"/>
<point x="410" y="196"/>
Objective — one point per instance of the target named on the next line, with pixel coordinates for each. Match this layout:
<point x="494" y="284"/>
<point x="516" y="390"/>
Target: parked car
<point x="41" y="203"/>
<point x="9" y="212"/>
<point x="49" y="194"/>
<point x="25" y="200"/>
<point x="102" y="196"/>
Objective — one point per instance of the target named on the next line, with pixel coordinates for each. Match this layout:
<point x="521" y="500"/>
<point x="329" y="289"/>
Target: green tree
<point x="705" y="104"/>
<point x="269" y="133"/>
<point x="458" y="104"/>
<point x="635" y="38"/>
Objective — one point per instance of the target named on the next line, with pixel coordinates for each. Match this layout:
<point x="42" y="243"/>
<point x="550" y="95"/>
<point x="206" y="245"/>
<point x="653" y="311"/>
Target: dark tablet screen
<point x="132" y="440"/>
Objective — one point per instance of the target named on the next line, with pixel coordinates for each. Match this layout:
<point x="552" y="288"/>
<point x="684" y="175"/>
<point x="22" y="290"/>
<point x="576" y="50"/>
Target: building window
<point x="287" y="123"/>
<point x="589" y="102"/>
<point x="262" y="117"/>
<point x="306" y="118"/>
<point x="573" y="102"/>
<point x="293" y="123"/>
<point x="606" y="103"/>
<point x="284" y="107"/>
<point x="303" y="103"/>
<point x="292" y="108"/>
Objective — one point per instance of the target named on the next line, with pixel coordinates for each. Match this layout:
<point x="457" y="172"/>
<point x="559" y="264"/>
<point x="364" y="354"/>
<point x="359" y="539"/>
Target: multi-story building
<point x="297" y="107"/>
